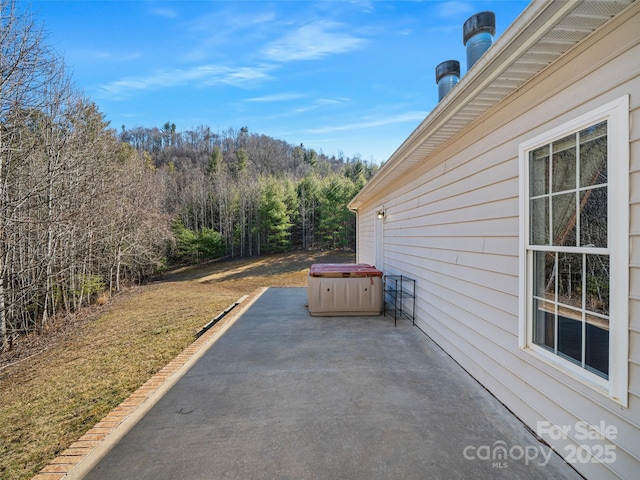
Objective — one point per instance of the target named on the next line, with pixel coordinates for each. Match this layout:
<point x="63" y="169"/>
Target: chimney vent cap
<point x="447" y="68"/>
<point x="480" y="22"/>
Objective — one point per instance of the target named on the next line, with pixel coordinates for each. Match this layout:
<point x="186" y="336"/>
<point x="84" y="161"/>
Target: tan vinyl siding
<point x="634" y="270"/>
<point x="453" y="225"/>
<point x="633" y="413"/>
<point x="365" y="237"/>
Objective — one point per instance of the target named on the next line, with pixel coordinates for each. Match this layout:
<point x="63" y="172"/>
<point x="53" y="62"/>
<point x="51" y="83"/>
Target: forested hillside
<point x="85" y="208"/>
<point x="237" y="193"/>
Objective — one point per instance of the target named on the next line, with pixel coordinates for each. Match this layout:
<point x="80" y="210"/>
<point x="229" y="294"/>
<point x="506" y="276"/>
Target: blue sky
<point x="341" y="77"/>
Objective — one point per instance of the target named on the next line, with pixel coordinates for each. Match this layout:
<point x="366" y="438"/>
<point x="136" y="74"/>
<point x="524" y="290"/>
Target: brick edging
<point x="64" y="463"/>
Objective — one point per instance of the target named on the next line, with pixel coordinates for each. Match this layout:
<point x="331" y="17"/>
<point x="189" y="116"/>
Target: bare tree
<point x="80" y="212"/>
<point x="26" y="66"/>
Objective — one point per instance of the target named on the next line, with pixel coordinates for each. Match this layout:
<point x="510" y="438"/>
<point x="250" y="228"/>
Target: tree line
<point x="237" y="193"/>
<point x="86" y="209"/>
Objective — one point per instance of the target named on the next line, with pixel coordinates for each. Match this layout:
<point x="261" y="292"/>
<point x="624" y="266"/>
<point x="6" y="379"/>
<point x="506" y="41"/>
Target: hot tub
<point x="344" y="289"/>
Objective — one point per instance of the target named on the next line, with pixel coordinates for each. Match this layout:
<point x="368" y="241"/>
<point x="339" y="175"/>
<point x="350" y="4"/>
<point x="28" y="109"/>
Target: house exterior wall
<point x="452" y="224"/>
<point x="366" y="250"/>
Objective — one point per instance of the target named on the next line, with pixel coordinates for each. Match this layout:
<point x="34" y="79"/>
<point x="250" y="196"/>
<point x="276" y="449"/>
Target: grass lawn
<point x="55" y="387"/>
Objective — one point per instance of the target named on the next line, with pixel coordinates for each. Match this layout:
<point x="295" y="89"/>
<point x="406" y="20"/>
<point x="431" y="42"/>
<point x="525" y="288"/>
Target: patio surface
<point x="284" y="395"/>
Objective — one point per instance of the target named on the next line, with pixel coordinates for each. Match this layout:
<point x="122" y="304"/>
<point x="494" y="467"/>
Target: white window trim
<point x="616" y="113"/>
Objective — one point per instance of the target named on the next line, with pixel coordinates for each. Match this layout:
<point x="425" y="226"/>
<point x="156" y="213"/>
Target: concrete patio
<point x="285" y="395"/>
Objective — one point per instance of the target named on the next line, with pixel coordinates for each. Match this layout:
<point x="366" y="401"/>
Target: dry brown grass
<point x="54" y="393"/>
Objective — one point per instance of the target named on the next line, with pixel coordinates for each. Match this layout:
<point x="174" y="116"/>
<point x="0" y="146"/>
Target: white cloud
<point x="240" y="76"/>
<point x="277" y="97"/>
<point x="331" y="101"/>
<point x="312" y="41"/>
<point x="204" y="75"/>
<point x="226" y="23"/>
<point x="454" y="9"/>
<point x="117" y="57"/>
<point x="378" y="122"/>
<point x="165" y="12"/>
<point x="225" y="32"/>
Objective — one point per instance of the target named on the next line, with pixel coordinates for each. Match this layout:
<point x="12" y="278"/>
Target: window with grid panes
<point x="573" y="270"/>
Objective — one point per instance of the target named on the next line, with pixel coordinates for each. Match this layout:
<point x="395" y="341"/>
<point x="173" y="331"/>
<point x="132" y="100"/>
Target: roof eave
<point x="536" y="21"/>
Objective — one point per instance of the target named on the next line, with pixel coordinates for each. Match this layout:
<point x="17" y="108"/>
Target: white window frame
<point x="616" y="113"/>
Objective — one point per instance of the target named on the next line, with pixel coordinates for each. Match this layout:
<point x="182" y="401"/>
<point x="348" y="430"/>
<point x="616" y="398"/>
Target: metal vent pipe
<point x="478" y="32"/>
<point x="447" y="75"/>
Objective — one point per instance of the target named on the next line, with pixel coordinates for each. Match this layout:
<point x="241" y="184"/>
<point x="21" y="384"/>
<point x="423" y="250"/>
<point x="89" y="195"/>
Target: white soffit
<point x="539" y="36"/>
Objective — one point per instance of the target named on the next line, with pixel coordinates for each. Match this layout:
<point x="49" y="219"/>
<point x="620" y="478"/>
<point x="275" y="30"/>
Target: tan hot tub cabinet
<point x="345" y="289"/>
